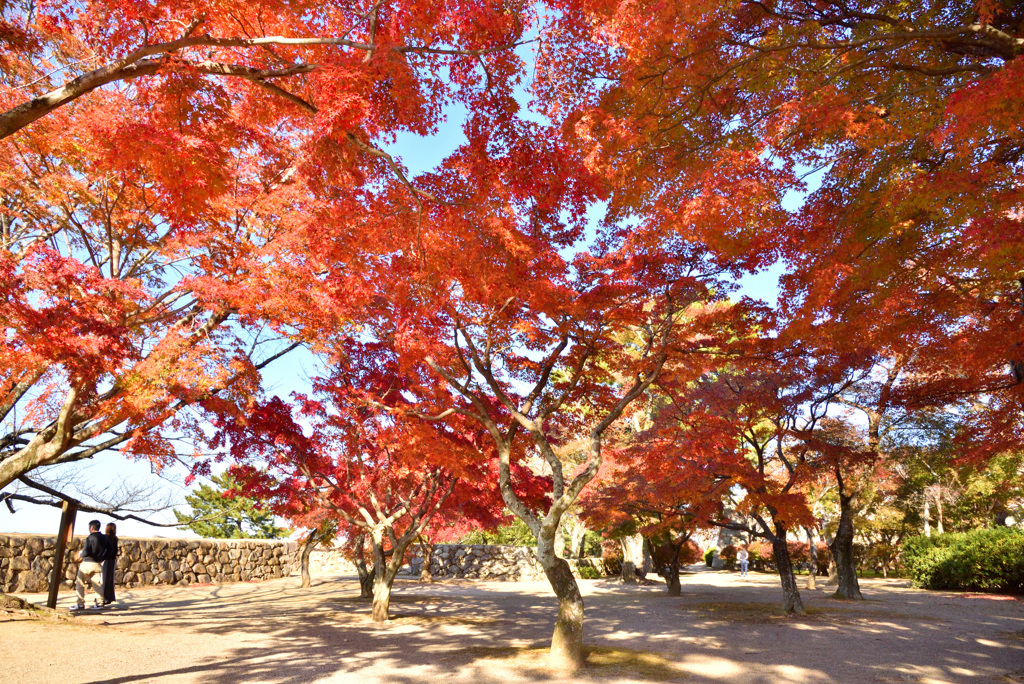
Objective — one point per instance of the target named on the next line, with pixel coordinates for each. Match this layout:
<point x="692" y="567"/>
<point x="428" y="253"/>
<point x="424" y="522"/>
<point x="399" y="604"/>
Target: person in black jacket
<point x="93" y="552"/>
<point x="110" y="563"/>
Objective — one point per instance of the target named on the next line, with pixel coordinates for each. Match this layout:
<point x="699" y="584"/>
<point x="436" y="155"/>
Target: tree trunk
<point x="577" y="537"/>
<point x="365" y="576"/>
<point x="385" y="571"/>
<point x="927" y="514"/>
<point x="383" y="577"/>
<point x="567" y="641"/>
<point x="812" y="551"/>
<point x="791" y="601"/>
<point x="632" y="557"/>
<point x="560" y="541"/>
<point x="842" y="552"/>
<point x="307" y="550"/>
<point x="672" y="576"/>
<point x="647" y="559"/>
<point x="428" y="557"/>
<point x="938" y="513"/>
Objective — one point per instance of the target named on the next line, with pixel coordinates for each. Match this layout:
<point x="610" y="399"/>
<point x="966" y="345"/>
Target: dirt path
<point x="723" y="629"/>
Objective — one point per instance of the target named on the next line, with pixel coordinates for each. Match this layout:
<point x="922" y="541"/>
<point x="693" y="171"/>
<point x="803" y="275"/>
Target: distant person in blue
<point x="742" y="556"/>
<point x="110" y="563"/>
<point x="94" y="552"/>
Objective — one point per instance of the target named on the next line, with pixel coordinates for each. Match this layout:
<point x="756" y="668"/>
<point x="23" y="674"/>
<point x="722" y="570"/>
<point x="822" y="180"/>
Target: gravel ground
<point x="722" y="629"/>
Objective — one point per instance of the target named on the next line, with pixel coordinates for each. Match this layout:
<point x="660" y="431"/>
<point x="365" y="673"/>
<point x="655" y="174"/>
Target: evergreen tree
<point x="222" y="513"/>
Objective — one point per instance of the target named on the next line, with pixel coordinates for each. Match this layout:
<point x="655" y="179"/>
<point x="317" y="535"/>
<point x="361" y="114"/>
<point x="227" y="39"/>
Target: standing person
<point x="742" y="556"/>
<point x="93" y="552"/>
<point x="110" y="563"/>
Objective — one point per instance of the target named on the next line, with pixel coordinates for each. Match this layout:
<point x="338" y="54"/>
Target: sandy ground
<point x="723" y="629"/>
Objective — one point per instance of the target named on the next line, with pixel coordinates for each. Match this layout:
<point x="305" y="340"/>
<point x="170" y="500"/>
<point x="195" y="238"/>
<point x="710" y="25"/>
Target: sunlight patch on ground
<point x="602" y="662"/>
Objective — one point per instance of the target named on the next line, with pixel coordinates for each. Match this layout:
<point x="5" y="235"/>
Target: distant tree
<point x="222" y="513"/>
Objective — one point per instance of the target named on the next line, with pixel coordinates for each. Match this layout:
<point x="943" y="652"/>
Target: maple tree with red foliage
<point x="376" y="479"/>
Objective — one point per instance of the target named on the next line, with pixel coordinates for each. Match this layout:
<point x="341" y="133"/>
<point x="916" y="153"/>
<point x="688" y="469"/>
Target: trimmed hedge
<point x="980" y="560"/>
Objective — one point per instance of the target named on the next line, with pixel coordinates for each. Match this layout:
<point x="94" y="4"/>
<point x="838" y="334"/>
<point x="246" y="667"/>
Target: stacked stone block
<point x="463" y="561"/>
<point x="26" y="561"/>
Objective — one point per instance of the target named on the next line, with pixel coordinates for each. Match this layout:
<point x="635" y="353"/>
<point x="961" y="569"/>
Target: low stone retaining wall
<point x="26" y="561"/>
<point x="478" y="561"/>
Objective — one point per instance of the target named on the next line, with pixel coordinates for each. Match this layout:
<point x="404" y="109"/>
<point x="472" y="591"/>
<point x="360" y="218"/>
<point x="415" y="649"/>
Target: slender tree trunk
<point x="791" y="601"/>
<point x="567" y="641"/>
<point x="812" y="552"/>
<point x="938" y="513"/>
<point x="307" y="550"/>
<point x="428" y="557"/>
<point x="842" y="551"/>
<point x="927" y="515"/>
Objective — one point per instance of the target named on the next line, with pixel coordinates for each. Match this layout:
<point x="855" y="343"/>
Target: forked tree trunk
<point x="385" y="572"/>
<point x="567" y="641"/>
<point x="842" y="552"/>
<point x="791" y="601"/>
<point x="812" y="552"/>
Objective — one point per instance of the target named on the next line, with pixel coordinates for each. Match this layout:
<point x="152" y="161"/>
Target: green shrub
<point x="587" y="572"/>
<point x="709" y="556"/>
<point x="980" y="560"/>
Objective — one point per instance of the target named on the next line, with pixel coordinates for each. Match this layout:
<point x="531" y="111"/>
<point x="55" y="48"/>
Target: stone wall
<point x="464" y="561"/>
<point x="26" y="561"/>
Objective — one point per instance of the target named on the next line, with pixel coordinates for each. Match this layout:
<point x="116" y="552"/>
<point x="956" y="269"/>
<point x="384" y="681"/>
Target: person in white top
<point x="742" y="556"/>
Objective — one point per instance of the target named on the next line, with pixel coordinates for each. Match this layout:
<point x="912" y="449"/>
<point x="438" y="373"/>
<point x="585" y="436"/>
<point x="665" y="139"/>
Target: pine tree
<point x="221" y="513"/>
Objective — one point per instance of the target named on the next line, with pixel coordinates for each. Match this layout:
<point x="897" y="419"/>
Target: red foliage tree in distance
<point x="657" y="488"/>
<point x="379" y="480"/>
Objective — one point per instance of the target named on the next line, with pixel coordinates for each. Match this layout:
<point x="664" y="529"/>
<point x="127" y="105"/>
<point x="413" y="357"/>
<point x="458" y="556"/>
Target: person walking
<point x="742" y="556"/>
<point x="93" y="552"/>
<point x="110" y="563"/>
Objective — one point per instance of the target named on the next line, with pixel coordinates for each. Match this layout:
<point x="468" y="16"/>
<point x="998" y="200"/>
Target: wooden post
<point x="67" y="530"/>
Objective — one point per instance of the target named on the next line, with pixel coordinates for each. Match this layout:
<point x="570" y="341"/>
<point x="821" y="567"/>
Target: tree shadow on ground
<point x="499" y="633"/>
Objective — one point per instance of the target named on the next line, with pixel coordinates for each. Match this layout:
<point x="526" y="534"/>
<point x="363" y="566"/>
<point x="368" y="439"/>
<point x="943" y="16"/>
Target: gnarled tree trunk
<point x="567" y="641"/>
<point x="791" y="601"/>
<point x="842" y="550"/>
